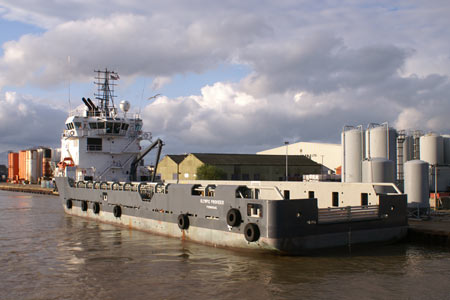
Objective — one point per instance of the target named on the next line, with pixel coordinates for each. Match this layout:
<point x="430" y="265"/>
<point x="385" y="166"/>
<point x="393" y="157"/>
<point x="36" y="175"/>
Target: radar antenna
<point x="105" y="81"/>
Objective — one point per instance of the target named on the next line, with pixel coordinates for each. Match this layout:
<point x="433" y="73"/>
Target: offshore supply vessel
<point x="101" y="177"/>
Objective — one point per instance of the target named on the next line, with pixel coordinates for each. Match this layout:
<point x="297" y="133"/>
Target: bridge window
<point x="125" y="126"/>
<point x="101" y="125"/>
<point x="117" y="128"/>
<point x="93" y="125"/>
<point x="109" y="127"/>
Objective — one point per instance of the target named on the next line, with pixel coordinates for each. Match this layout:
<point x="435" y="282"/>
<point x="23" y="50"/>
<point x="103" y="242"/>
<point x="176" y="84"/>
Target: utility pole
<point x="287" y="146"/>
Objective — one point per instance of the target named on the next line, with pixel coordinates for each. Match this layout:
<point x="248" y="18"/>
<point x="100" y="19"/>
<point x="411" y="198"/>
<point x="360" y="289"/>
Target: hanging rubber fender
<point x="117" y="211"/>
<point x="84" y="206"/>
<point x="234" y="217"/>
<point x="183" y="221"/>
<point x="69" y="204"/>
<point x="251" y="232"/>
<point x="96" y="208"/>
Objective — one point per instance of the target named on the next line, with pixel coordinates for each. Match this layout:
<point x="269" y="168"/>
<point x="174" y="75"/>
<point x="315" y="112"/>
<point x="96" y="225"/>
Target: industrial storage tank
<point x="432" y="149"/>
<point x="442" y="173"/>
<point x="31" y="166"/>
<point x="352" y="153"/>
<point x="416" y="184"/>
<point x="405" y="152"/>
<point x="46" y="163"/>
<point x="408" y="149"/>
<point x="381" y="141"/>
<point x="446" y="138"/>
<point x="56" y="155"/>
<point x="378" y="169"/>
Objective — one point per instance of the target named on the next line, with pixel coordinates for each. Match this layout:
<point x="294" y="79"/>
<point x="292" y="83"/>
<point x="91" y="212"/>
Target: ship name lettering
<point x="217" y="202"/>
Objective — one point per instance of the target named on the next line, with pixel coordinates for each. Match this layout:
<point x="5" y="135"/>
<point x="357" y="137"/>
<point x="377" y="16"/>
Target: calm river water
<point x="45" y="254"/>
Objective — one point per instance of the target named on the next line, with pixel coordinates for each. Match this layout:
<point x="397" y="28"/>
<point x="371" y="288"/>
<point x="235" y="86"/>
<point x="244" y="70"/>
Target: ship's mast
<point x="105" y="81"/>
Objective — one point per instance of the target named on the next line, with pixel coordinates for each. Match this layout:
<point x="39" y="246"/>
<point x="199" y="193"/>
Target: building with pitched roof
<point x="168" y="167"/>
<point x="238" y="166"/>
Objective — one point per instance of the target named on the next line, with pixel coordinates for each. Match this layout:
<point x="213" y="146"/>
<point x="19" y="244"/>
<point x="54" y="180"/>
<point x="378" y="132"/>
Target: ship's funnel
<point x="86" y="103"/>
<point x="94" y="107"/>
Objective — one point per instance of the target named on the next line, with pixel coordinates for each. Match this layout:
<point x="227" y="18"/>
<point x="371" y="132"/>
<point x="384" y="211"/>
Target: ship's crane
<point x="158" y="143"/>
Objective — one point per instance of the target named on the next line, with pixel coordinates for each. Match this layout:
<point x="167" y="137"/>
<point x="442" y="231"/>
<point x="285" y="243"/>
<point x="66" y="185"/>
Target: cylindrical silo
<point x="405" y="152"/>
<point x="352" y="151"/>
<point x="432" y="149"/>
<point x="381" y="141"/>
<point x="446" y="138"/>
<point x="31" y="166"/>
<point x="408" y="149"/>
<point x="442" y="173"/>
<point x="416" y="184"/>
<point x="378" y="169"/>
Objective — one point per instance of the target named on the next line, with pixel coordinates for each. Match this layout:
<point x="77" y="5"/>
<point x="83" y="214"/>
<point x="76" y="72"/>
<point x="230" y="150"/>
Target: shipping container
<point x="13" y="166"/>
<point x="22" y="165"/>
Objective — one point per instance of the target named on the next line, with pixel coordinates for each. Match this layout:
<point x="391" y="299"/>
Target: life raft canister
<point x="66" y="162"/>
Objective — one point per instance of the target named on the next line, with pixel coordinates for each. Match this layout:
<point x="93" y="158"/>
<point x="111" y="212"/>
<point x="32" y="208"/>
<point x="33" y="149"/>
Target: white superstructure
<point x="98" y="142"/>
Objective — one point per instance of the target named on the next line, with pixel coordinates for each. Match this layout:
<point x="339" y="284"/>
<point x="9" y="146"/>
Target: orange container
<point x="22" y="165"/>
<point x="13" y="165"/>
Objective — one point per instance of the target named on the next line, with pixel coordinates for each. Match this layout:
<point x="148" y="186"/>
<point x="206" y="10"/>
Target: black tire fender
<point x="84" y="206"/>
<point x="234" y="217"/>
<point x="117" y="211"/>
<point x="251" y="232"/>
<point x="183" y="221"/>
<point x="69" y="204"/>
<point x="96" y="208"/>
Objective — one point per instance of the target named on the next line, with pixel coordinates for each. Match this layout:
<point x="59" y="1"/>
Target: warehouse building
<point x="168" y="167"/>
<point x="328" y="155"/>
<point x="238" y="166"/>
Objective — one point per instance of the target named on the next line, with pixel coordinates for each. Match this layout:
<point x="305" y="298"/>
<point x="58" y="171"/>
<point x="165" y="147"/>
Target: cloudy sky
<point x="235" y="76"/>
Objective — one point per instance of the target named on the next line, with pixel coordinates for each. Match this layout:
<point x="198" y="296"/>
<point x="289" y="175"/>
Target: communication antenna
<point x="142" y="97"/>
<point x="68" y="78"/>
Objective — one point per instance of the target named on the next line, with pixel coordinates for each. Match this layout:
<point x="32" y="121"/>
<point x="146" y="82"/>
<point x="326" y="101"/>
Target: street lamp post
<point x="321" y="167"/>
<point x="287" y="146"/>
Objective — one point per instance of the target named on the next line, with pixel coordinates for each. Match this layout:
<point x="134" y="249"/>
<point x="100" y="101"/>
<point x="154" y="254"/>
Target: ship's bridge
<point x="82" y="126"/>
